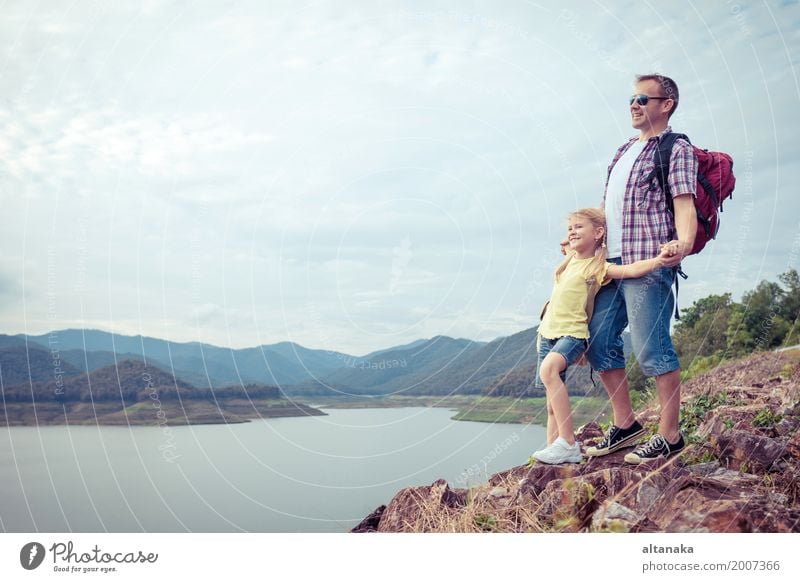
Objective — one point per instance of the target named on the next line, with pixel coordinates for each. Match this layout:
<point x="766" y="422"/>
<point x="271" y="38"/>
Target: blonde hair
<point x="598" y="219"/>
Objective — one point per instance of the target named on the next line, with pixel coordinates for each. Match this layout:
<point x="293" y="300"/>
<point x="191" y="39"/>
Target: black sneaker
<point x="656" y="448"/>
<point x="616" y="438"/>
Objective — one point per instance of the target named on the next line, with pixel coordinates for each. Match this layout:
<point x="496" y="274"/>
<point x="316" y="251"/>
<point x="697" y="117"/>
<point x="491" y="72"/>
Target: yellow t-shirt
<point x="566" y="313"/>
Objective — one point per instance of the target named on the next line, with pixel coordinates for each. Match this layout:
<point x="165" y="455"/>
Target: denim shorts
<point x="569" y="347"/>
<point x="644" y="305"/>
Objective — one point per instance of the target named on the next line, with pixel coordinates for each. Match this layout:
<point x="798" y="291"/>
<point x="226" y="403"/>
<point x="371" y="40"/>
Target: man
<point x="639" y="223"/>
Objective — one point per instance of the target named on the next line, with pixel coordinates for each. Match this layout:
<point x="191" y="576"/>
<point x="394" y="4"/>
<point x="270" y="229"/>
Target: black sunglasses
<point x="643" y="99"/>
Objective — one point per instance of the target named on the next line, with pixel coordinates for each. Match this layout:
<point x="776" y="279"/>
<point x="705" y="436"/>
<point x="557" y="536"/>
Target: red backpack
<point x="715" y="183"/>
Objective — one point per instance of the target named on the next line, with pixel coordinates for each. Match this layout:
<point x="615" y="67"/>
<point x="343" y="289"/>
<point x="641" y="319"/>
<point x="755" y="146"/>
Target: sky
<point x="353" y="176"/>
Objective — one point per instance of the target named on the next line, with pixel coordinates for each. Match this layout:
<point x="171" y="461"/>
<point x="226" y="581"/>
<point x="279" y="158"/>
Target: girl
<point x="564" y="330"/>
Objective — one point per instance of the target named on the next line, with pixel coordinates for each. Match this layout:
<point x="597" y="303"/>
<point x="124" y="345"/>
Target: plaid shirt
<point x="646" y="220"/>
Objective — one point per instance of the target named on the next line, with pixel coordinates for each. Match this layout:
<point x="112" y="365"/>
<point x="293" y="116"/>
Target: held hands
<point x="673" y="252"/>
<point x="668" y="251"/>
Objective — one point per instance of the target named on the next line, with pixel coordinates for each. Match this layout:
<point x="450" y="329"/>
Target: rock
<point x="722" y="418"/>
<point x="614" y="517"/>
<point x="703" y="469"/>
<point x="711" y="426"/>
<point x="741" y="394"/>
<point x="744" y="450"/>
<point x="498" y="492"/>
<point x="540" y="475"/>
<point x="732" y="478"/>
<point x="698" y="504"/>
<point x="588" y="432"/>
<point x="370" y="523"/>
<point x="693" y="503"/>
<point x="777" y="498"/>
<point x="652" y="486"/>
<point x="793" y="446"/>
<point x="787" y="425"/>
<point x="416" y="508"/>
<point x="510" y="477"/>
<point x="579" y="492"/>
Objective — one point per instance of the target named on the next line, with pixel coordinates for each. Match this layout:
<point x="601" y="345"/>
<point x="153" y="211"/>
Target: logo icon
<point x="31" y="555"/>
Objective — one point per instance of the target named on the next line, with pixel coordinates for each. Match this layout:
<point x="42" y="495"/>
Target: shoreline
<point x="167" y="413"/>
<point x="505" y="410"/>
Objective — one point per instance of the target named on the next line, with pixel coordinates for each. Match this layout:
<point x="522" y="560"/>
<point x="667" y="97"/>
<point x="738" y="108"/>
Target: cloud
<point x="226" y="171"/>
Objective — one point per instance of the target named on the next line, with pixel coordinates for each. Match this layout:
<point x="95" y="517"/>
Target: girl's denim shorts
<point x="569" y="347"/>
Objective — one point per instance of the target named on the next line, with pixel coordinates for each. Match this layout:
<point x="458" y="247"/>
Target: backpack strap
<point x="661" y="174"/>
<point x="661" y="158"/>
<point x="678" y="271"/>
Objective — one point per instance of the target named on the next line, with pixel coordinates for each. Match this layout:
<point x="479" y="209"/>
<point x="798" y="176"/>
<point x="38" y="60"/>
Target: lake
<point x="302" y="474"/>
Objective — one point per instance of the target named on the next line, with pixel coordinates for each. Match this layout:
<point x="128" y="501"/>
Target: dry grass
<point x="482" y="513"/>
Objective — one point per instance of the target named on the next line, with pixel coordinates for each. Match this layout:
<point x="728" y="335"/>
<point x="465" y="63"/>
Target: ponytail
<point x="560" y="269"/>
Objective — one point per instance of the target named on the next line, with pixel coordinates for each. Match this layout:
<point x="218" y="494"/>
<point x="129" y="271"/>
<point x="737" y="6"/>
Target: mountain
<point x="202" y="364"/>
<point x="446" y="366"/>
<point x="315" y="361"/>
<point x="134" y="393"/>
<point x="520" y="382"/>
<point x="11" y="341"/>
<point x="440" y="366"/>
<point x="21" y="364"/>
<point x="423" y="369"/>
<point x="437" y="366"/>
<point x="128" y="381"/>
<point x="407" y="346"/>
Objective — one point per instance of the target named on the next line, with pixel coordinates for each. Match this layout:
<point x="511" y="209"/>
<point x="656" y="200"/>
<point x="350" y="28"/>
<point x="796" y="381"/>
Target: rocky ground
<point x="739" y="473"/>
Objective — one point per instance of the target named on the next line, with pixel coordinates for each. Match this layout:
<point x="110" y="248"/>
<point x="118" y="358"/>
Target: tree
<point x="637" y="381"/>
<point x="789" y="306"/>
<point x="703" y="328"/>
<point x="757" y="323"/>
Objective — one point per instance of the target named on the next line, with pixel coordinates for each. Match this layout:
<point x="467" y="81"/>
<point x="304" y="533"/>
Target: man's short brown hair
<point x="669" y="88"/>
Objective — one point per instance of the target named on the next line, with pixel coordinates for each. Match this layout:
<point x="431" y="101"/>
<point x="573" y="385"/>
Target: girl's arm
<point x="640" y="268"/>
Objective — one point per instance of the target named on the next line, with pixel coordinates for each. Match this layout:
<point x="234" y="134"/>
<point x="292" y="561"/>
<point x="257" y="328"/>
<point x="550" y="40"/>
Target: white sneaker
<point x="559" y="452"/>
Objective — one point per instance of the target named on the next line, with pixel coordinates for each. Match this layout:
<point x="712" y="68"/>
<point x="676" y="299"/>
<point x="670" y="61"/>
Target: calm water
<point x="308" y="474"/>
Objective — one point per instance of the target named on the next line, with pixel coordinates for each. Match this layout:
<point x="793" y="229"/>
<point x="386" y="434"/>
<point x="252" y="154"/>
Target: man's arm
<point x="685" y="226"/>
<point x="682" y="185"/>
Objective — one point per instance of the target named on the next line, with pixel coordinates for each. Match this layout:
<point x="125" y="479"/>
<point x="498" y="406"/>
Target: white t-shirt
<point x="615" y="197"/>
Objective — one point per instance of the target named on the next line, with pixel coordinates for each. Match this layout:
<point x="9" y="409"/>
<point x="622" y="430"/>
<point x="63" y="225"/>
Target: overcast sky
<point x="357" y="175"/>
